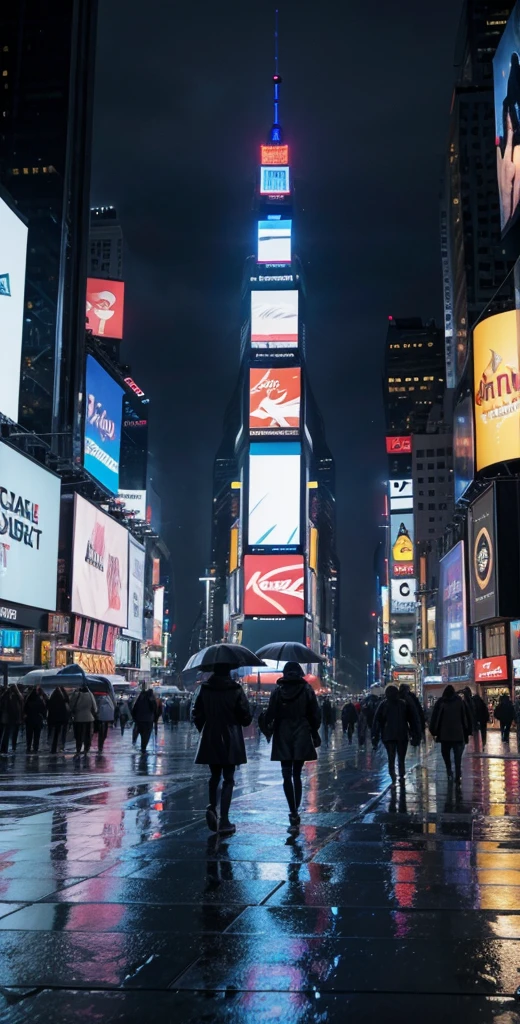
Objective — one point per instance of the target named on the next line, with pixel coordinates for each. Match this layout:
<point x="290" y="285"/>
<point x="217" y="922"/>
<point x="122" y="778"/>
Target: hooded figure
<point x="407" y="694"/>
<point x="451" y="727"/>
<point x="505" y="714"/>
<point x="294" y="718"/>
<point x="394" y="720"/>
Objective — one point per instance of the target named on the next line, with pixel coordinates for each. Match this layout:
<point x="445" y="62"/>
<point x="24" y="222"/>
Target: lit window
<point x="4" y="74"/>
<point x="25" y="170"/>
<point x="16" y="170"/>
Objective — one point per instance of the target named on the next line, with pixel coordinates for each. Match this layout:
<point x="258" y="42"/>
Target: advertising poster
<point x="385" y="615"/>
<point x="491" y="670"/>
<point x="401" y="544"/>
<point x="103" y="413"/>
<point x="99" y="565"/>
<point x="274" y="181"/>
<point x="135" y="502"/>
<point x="401" y="495"/>
<point x="158" y="616"/>
<point x="133" y="460"/>
<point x="274" y="240"/>
<point x="402" y="651"/>
<point x="463" y="446"/>
<point x="274" y="401"/>
<point x="402" y="593"/>
<point x="399" y="445"/>
<point x="274" y="319"/>
<point x="274" y="585"/>
<point x="274" y="493"/>
<point x="497" y="389"/>
<point x="105" y="307"/>
<point x="29" y="528"/>
<point x="482" y="558"/>
<point x="136" y="556"/>
<point x="13" y="255"/>
<point x="452" y="597"/>
<point x="506" y="75"/>
<point x="274" y="155"/>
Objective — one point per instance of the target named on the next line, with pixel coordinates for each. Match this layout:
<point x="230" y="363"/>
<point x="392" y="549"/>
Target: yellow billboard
<point x="497" y="389"/>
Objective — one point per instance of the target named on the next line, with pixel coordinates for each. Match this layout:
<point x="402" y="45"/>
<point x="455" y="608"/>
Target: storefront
<point x="20" y="630"/>
<point x="492" y="678"/>
<point x="91" y="645"/>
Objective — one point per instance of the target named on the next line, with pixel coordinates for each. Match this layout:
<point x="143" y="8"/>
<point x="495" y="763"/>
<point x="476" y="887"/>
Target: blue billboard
<point x="102" y="435"/>
<point x="452" y="601"/>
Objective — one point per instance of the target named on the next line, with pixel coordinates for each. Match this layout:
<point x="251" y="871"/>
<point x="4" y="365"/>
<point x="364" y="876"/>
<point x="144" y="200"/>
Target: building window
<point x="420" y="453"/>
<point x="431" y="479"/>
<point x="431" y="519"/>
<point x="420" y="465"/>
<point x="421" y="494"/>
<point x="441" y="465"/>
<point x="431" y="465"/>
<point x="431" y="507"/>
<point x="420" y="506"/>
<point x="495" y="637"/>
<point x="441" y="451"/>
<point x="420" y="479"/>
<point x="430" y="452"/>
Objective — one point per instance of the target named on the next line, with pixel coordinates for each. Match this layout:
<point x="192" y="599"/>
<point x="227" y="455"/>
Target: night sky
<point x="183" y="100"/>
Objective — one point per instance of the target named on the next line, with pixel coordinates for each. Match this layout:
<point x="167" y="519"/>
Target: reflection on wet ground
<point x="113" y="894"/>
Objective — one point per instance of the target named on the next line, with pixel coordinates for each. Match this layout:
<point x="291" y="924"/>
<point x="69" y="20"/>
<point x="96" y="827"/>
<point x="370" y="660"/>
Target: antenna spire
<point x="276" y="42"/>
<point x="276" y="131"/>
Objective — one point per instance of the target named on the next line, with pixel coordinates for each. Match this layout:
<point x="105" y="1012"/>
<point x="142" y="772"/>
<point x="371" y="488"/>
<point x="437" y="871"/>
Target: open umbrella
<point x="233" y="655"/>
<point x="290" y="651"/>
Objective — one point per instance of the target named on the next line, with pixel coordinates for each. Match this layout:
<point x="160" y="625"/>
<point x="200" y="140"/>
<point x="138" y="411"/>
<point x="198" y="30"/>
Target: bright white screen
<point x="136" y="555"/>
<point x="274" y="494"/>
<point x="99" y="565"/>
<point x="13" y="255"/>
<point x="274" y="241"/>
<point x="274" y="319"/>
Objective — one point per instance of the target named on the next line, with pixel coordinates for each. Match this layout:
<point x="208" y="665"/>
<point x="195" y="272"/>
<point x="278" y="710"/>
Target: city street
<point x="117" y="904"/>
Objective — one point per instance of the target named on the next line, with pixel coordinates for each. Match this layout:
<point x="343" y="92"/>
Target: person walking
<point x="35" y="713"/>
<point x="481" y="716"/>
<point x="124" y="716"/>
<point x="407" y="694"/>
<point x="219" y="712"/>
<point x="12" y="717"/>
<point x="451" y="727"/>
<point x="83" y="709"/>
<point x="349" y="717"/>
<point x="293" y="717"/>
<point x="505" y="714"/>
<point x="157" y="714"/>
<point x="394" y="722"/>
<point x="362" y="728"/>
<point x="105" y="717"/>
<point x="143" y="714"/>
<point x="58" y="712"/>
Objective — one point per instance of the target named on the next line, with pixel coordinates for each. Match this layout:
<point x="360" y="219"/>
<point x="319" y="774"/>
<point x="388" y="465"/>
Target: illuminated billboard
<point x="13" y="255"/>
<point x="29" y="527"/>
<point x="99" y="565"/>
<point x="273" y="585"/>
<point x="274" y="401"/>
<point x="497" y="389"/>
<point x="385" y="615"/>
<point x="463" y="446"/>
<point x="483" y="577"/>
<point x="274" y="181"/>
<point x="105" y="307"/>
<point x="506" y="74"/>
<point x="452" y="602"/>
<point x="158" y="616"/>
<point x="399" y="445"/>
<point x="136" y="561"/>
<point x="134" y="502"/>
<point x="274" y="494"/>
<point x="401" y="495"/>
<point x="274" y="241"/>
<point x="274" y="155"/>
<point x="403" y="599"/>
<point x="274" y="319"/>
<point x="402" y="651"/>
<point x="401" y="544"/>
<point x="103" y="414"/>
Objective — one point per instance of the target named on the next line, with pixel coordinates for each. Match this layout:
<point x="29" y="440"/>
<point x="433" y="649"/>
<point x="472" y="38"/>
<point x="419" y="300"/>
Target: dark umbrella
<point x="290" y="651"/>
<point x="233" y="655"/>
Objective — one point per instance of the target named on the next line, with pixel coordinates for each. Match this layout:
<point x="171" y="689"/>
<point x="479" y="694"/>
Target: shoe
<point x="458" y="780"/>
<point x="294" y="818"/>
<point x="402" y="777"/>
<point x="226" y="828"/>
<point x="211" y="818"/>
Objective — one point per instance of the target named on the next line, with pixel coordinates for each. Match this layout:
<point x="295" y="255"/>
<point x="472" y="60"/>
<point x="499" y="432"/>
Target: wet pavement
<point x="117" y="905"/>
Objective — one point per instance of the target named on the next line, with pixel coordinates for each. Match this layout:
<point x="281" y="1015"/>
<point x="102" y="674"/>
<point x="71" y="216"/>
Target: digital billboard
<point x="102" y="437"/>
<point x="99" y="565"/>
<point x="29" y="529"/>
<point x="483" y="589"/>
<point x="134" y="502"/>
<point x="133" y="465"/>
<point x="105" y="307"/>
<point x="158" y="616"/>
<point x="491" y="670"/>
<point x="274" y="319"/>
<point x="274" y="241"/>
<point x="13" y="255"/>
<point x="274" y="155"/>
<point x="274" y="585"/>
<point x="399" y="445"/>
<point x="463" y="446"/>
<point x="274" y="181"/>
<point x="274" y="401"/>
<point x="136" y="560"/>
<point x="401" y="495"/>
<point x="497" y="389"/>
<point x="452" y="599"/>
<point x="402" y="596"/>
<point x="402" y="651"/>
<point x="401" y="544"/>
<point x="274" y="494"/>
<point x="506" y="74"/>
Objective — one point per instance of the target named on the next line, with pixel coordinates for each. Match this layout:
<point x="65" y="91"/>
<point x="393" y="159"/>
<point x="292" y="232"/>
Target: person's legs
<point x="297" y="782"/>
<point x="122" y="724"/>
<point x="350" y="730"/>
<point x="87" y="735"/>
<point x="228" y="771"/>
<point x="36" y="738"/>
<point x="102" y="735"/>
<point x="288" y="787"/>
<point x="402" y="747"/>
<point x="145" y="731"/>
<point x="78" y="736"/>
<point x="29" y="732"/>
<point x="446" y="757"/>
<point x="483" y="732"/>
<point x="507" y="730"/>
<point x="54" y="733"/>
<point x="63" y="737"/>
<point x="458" y="750"/>
<point x="216" y="771"/>
<point x="391" y="750"/>
<point x="15" y="729"/>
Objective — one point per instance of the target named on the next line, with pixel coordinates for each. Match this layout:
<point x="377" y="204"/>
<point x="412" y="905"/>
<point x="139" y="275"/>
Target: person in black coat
<point x="394" y="721"/>
<point x="35" y="713"/>
<point x="505" y="714"/>
<point x="451" y="727"/>
<point x="481" y="716"/>
<point x="143" y="714"/>
<point x="294" y="718"/>
<point x="58" y="717"/>
<point x="219" y="712"/>
<point x="349" y="717"/>
<point x="407" y="694"/>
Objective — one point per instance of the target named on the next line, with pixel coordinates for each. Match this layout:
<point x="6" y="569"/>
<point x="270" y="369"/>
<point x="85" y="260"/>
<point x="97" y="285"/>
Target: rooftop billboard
<point x="497" y="389"/>
<point x="13" y="255"/>
<point x="274" y="240"/>
<point x="506" y="75"/>
<point x="105" y="307"/>
<point x="103" y="413"/>
<point x="274" y="401"/>
<point x="274" y="319"/>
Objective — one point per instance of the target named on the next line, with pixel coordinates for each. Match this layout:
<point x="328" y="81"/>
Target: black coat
<point x="220" y="710"/>
<point x="481" y="710"/>
<point x="35" y="710"/>
<point x="349" y="715"/>
<point x="505" y="712"/>
<point x="450" y="721"/>
<point x="143" y="708"/>
<point x="294" y="716"/>
<point x="58" y="709"/>
<point x="394" y="720"/>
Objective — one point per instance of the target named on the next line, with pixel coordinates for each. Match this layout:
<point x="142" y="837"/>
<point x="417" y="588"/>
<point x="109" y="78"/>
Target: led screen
<point x="403" y="596"/>
<point x="158" y="616"/>
<point x="506" y="74"/>
<point x="103" y="413"/>
<point x="402" y="651"/>
<point x="401" y="495"/>
<point x="463" y="446"/>
<point x="136" y="557"/>
<point x="399" y="445"/>
<point x="105" y="307"/>
<point x="497" y="389"/>
<point x="135" y="502"/>
<point x="452" y="598"/>
<point x="29" y="528"/>
<point x="274" y="319"/>
<point x="13" y="254"/>
<point x="274" y="154"/>
<point x="483" y="580"/>
<point x="401" y="544"/>
<point x="99" y="565"/>
<point x="274" y="401"/>
<point x="274" y="181"/>
<point x="274" y="241"/>
<point x="274" y="494"/>
<point x="273" y="585"/>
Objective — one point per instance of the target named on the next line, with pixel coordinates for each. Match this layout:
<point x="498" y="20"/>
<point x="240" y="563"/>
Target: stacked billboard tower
<point x="274" y="560"/>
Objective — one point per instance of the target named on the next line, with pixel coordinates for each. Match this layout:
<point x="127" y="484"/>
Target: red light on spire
<point x="274" y="156"/>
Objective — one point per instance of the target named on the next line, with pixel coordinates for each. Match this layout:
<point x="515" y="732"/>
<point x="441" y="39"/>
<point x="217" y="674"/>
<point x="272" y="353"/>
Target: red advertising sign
<point x="399" y="445"/>
<point x="491" y="670"/>
<point x="274" y="155"/>
<point x="105" y="306"/>
<point x="274" y="401"/>
<point x="274" y="585"/>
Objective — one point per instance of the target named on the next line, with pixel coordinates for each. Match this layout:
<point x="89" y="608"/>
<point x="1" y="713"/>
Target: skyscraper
<point x="414" y="374"/>
<point x="106" y="244"/>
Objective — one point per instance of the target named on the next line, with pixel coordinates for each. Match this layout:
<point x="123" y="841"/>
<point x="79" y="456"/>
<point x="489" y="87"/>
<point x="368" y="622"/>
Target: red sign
<point x="105" y="305"/>
<point x="131" y="384"/>
<point x="399" y="445"/>
<point x="274" y="155"/>
<point x="274" y="585"/>
<point x="274" y="403"/>
<point x="491" y="670"/>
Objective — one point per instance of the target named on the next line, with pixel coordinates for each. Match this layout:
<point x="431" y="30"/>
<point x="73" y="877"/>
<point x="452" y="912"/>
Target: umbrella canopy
<point x="233" y="655"/>
<point x="290" y="651"/>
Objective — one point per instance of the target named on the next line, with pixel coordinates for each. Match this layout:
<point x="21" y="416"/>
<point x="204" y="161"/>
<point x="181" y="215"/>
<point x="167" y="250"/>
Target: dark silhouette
<point x="394" y="721"/>
<point x="294" y="718"/>
<point x="451" y="727"/>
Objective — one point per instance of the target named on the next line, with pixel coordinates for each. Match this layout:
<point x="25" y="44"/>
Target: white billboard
<point x="402" y="651"/>
<point x="134" y="501"/>
<point x="29" y="529"/>
<point x="401" y="495"/>
<point x="274" y="319"/>
<point x="274" y="494"/>
<point x="99" y="565"/>
<point x="274" y="240"/>
<point x="13" y="256"/>
<point x="403" y="598"/>
<point x="136" y="557"/>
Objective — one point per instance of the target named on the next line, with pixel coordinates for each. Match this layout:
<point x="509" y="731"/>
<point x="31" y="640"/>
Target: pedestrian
<point x="481" y="716"/>
<point x="175" y="711"/>
<point x="157" y="714"/>
<point x="467" y="695"/>
<point x="451" y="727"/>
<point x="83" y="709"/>
<point x="219" y="712"/>
<point x="395" y="721"/>
<point x="407" y="694"/>
<point x="293" y="717"/>
<point x="35" y="713"/>
<point x="143" y="714"/>
<point x="117" y="709"/>
<point x="12" y="717"/>
<point x="362" y="727"/>
<point x="349" y="717"/>
<point x="105" y="717"/>
<point x="58" y="711"/>
<point x="505" y="714"/>
<point x="124" y="716"/>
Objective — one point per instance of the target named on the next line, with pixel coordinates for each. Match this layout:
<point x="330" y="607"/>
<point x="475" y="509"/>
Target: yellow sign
<point x="497" y="389"/>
